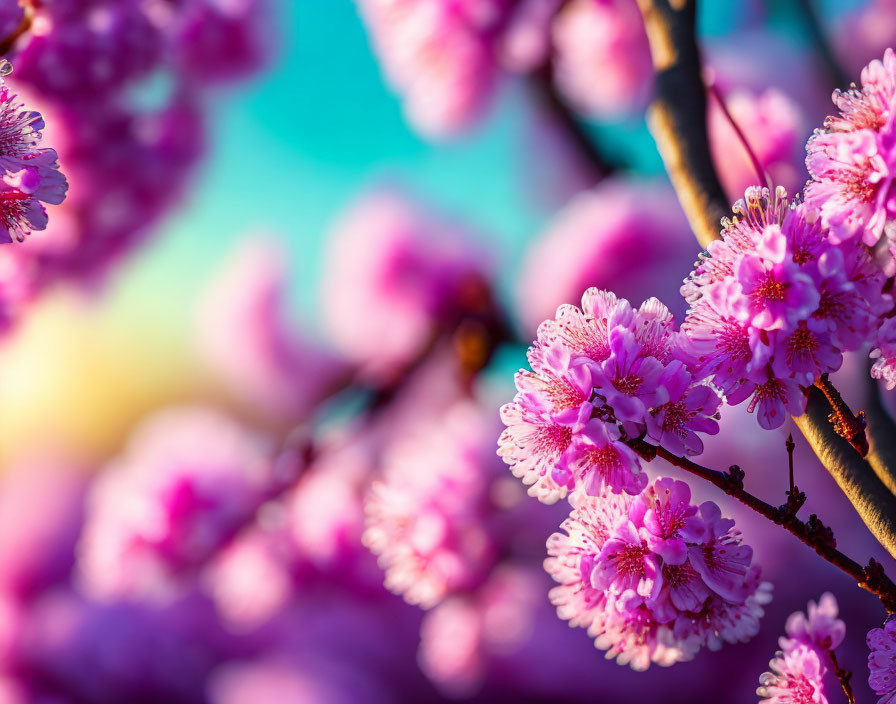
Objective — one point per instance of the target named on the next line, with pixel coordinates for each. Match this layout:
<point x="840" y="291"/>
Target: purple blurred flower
<point x="882" y="661"/>
<point x="819" y="627"/>
<point x="393" y="270"/>
<point x="245" y="336"/>
<point x="189" y="478"/>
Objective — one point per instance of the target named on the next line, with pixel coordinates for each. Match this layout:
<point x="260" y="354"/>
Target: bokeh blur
<point x="270" y="330"/>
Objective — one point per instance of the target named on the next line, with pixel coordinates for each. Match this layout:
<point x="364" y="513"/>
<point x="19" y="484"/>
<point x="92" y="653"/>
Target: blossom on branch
<point x="654" y="578"/>
<point x="602" y="376"/>
<point x="775" y="303"/>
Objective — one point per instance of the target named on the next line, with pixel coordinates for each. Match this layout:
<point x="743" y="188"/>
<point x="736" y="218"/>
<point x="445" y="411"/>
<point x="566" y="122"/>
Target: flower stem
<point x="791" y="446"/>
<point x="812" y="532"/>
<point x="762" y="177"/>
<point x="542" y="83"/>
<point x="844" y="676"/>
<point x="7" y="44"/>
<point x="845" y="423"/>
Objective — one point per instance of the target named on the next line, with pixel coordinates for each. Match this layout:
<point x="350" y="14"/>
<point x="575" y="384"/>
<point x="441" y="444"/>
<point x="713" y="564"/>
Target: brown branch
<point x="875" y="505"/>
<point x="677" y="115"/>
<point x="846" y="424"/>
<point x="844" y="676"/>
<point x="812" y="532"/>
<point x="822" y="45"/>
<point x="7" y="44"/>
<point x="541" y="81"/>
<point x="881" y="434"/>
<point x="678" y="123"/>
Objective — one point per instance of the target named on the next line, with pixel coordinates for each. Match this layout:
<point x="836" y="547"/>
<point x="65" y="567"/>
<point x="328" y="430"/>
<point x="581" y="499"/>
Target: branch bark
<point x="813" y="533"/>
<point x="677" y="115"/>
<point x="545" y="91"/>
<point x="881" y="434"/>
<point x="678" y="123"/>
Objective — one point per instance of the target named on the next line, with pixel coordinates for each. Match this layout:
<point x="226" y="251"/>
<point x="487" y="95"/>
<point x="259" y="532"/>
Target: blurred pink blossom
<point x="245" y="335"/>
<point x="393" y="270"/>
<point x="627" y="236"/>
<point x="439" y="56"/>
<point x="773" y="125"/>
<point x="188" y="478"/>
<point x="460" y="636"/>
<point x="602" y="59"/>
<point x="427" y="518"/>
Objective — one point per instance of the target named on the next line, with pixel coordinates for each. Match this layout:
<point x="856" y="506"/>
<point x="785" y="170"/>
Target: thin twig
<point x="846" y="424"/>
<point x="822" y="45"/>
<point x="544" y="88"/>
<point x="791" y="446"/>
<point x="812" y="532"/>
<point x="761" y="175"/>
<point x="844" y="676"/>
<point x="7" y="44"/>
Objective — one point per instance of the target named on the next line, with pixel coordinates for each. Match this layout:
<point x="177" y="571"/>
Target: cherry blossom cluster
<point x="798" y="669"/>
<point x="119" y="82"/>
<point x="602" y="376"/>
<point x="426" y="516"/>
<point x="655" y="578"/>
<point x="187" y="481"/>
<point x="775" y="302"/>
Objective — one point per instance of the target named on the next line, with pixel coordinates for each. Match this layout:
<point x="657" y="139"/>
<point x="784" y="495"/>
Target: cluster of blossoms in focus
<point x="655" y="578"/>
<point x="773" y="306"/>
<point x="602" y="375"/>
<point x="775" y="302"/>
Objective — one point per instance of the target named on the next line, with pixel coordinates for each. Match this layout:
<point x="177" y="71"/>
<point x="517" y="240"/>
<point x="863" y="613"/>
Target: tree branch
<point x="678" y="123"/>
<point x="677" y="115"/>
<point x="822" y="45"/>
<point x="544" y="88"/>
<point x="875" y="505"/>
<point x="812" y="532"/>
<point x="881" y="434"/>
<point x="7" y="44"/>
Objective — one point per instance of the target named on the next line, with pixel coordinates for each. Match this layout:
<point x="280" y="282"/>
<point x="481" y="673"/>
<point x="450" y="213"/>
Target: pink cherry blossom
<point x="775" y="303"/>
<point x="427" y="516"/>
<point x="795" y="678"/>
<point x="188" y="479"/>
<point x="602" y="59"/>
<point x="651" y="578"/>
<point x="819" y="626"/>
<point x="394" y="266"/>
<point x="852" y="160"/>
<point x="882" y="661"/>
<point x="439" y="56"/>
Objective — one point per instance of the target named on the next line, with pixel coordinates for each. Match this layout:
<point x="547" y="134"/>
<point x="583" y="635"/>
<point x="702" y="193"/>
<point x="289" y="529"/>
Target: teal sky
<point x="292" y="148"/>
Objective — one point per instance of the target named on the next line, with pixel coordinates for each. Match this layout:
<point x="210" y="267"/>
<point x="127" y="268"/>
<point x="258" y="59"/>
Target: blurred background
<point x="305" y="244"/>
